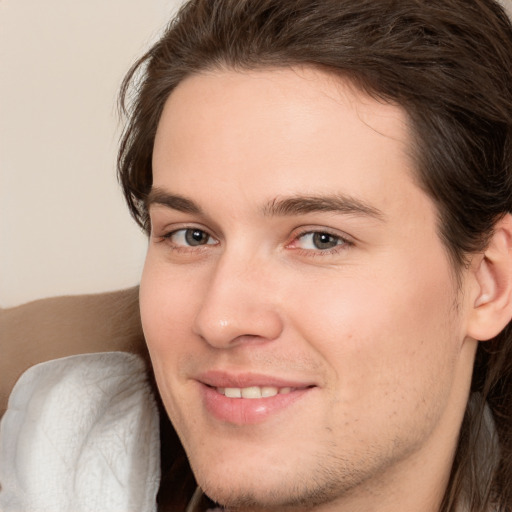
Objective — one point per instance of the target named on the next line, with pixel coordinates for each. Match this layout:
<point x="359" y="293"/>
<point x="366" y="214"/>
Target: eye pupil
<point x="324" y="241"/>
<point x="196" y="237"/>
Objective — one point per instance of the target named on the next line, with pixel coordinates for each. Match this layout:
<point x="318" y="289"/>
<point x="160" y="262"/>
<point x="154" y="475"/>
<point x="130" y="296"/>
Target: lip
<point x="247" y="411"/>
<point x="222" y="379"/>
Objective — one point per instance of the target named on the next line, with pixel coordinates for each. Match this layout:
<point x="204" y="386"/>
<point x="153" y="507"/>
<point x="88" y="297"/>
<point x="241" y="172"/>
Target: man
<point x="326" y="299"/>
<point x="326" y="188"/>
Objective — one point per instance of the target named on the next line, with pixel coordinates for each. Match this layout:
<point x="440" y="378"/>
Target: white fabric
<point x="81" y="434"/>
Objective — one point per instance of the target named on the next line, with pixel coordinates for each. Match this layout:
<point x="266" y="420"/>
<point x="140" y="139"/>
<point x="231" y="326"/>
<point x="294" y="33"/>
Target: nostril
<point x="242" y="323"/>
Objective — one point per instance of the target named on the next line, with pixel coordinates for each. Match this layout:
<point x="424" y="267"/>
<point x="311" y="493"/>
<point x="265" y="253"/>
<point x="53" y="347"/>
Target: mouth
<point x="249" y="399"/>
<point x="255" y="392"/>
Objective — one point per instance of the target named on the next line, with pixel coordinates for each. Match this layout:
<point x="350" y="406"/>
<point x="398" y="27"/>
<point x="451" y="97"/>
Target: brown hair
<point x="449" y="64"/>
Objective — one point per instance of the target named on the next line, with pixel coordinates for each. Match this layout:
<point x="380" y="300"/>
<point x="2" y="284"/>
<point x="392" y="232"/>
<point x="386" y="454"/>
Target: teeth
<point x="233" y="392"/>
<point x="253" y="392"/>
<point x="268" y="391"/>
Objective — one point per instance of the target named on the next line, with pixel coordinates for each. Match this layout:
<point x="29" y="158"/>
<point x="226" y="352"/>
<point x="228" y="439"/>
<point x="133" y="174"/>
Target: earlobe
<point x="492" y="274"/>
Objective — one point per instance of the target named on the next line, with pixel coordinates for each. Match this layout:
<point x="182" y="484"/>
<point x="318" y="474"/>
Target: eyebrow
<point x="286" y="206"/>
<point x="336" y="203"/>
<point x="173" y="201"/>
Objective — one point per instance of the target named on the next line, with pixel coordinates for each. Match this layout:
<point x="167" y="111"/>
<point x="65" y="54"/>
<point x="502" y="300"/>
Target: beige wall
<point x="64" y="228"/>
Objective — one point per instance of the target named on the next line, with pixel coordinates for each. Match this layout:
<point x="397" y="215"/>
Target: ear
<point x="492" y="279"/>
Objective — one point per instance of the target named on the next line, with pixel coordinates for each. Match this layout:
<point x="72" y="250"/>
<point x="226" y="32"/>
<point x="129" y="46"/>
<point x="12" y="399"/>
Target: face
<point x="299" y="307"/>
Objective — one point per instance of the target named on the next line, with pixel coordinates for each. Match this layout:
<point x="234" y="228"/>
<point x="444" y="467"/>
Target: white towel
<point x="81" y="434"/>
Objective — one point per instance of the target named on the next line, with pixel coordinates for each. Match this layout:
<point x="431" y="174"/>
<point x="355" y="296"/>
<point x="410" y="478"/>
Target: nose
<point x="239" y="304"/>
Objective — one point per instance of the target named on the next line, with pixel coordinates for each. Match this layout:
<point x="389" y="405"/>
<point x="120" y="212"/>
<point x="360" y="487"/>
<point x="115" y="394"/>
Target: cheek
<point x="388" y="337"/>
<point x="165" y="307"/>
<point x="165" y="315"/>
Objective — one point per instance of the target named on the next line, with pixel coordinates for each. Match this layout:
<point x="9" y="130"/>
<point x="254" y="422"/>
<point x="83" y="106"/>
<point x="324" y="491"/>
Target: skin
<point x="375" y="323"/>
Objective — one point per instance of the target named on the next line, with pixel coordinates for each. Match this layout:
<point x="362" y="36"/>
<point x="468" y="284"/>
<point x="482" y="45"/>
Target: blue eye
<point x="319" y="241"/>
<point x="191" y="237"/>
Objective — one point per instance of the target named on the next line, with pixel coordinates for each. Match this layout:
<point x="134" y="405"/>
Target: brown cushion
<point x="60" y="326"/>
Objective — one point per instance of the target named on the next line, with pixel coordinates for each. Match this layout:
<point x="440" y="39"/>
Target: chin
<point x="281" y="497"/>
<point x="254" y="487"/>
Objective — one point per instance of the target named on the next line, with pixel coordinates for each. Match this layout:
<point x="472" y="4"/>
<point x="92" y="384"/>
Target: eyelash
<point x="167" y="237"/>
<point x="343" y="243"/>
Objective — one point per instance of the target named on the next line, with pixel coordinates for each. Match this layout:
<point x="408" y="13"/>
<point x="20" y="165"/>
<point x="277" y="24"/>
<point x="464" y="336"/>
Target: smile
<point x="249" y="399"/>
<point x="253" y="392"/>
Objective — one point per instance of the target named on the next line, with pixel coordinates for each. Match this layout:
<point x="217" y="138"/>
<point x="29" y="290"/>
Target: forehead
<point x="280" y="131"/>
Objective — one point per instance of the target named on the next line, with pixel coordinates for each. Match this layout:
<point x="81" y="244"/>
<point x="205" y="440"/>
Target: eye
<point x="190" y="237"/>
<point x="318" y="241"/>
